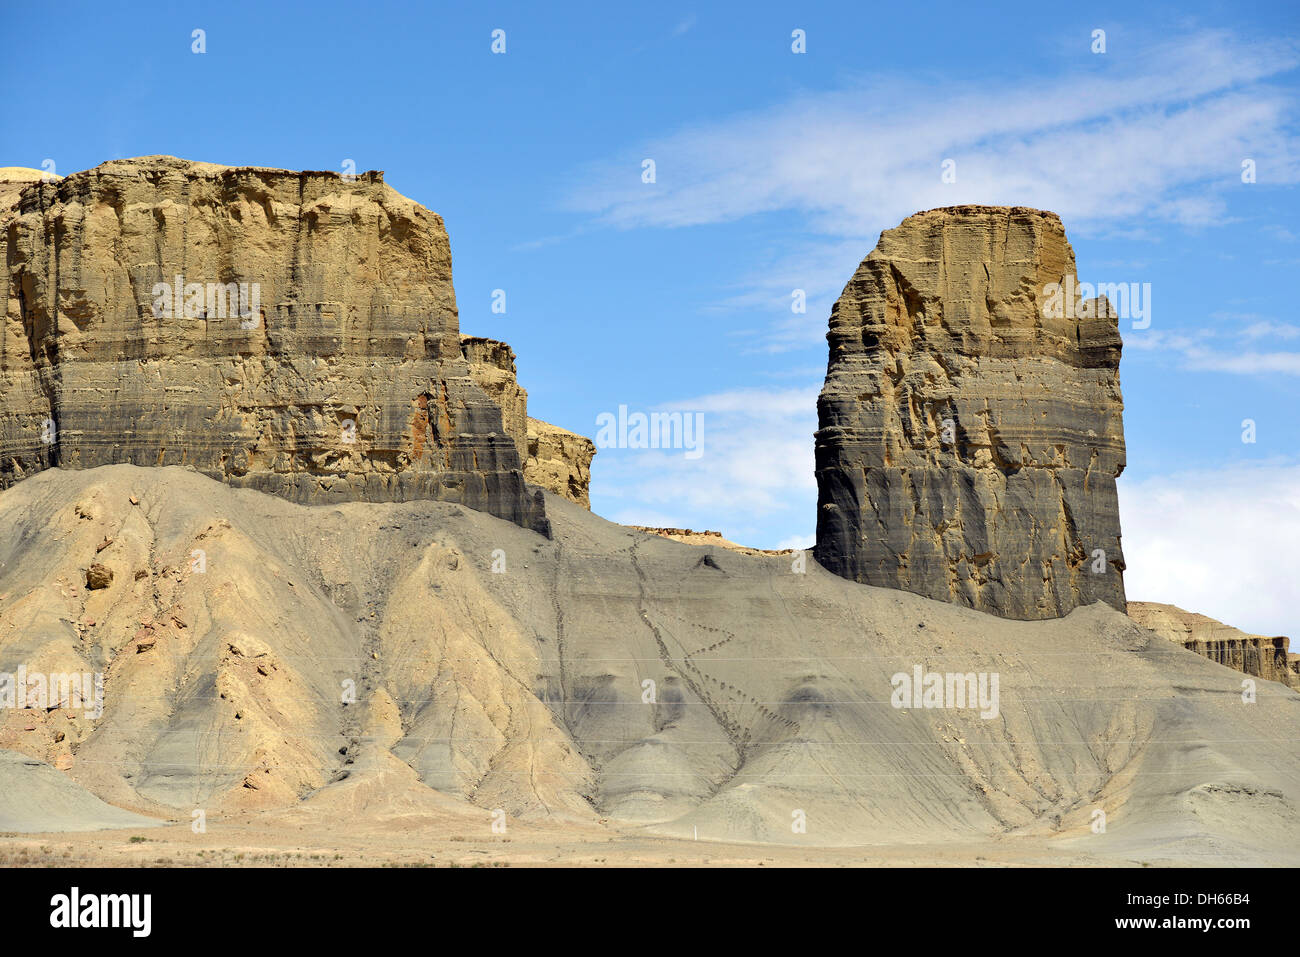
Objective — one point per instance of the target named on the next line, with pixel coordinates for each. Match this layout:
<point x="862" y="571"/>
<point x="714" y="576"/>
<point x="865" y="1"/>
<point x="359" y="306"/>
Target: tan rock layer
<point x="968" y="444"/>
<point x="1259" y="655"/>
<point x="335" y="374"/>
<point x="554" y="458"/>
<point x="560" y="461"/>
<point x="492" y="364"/>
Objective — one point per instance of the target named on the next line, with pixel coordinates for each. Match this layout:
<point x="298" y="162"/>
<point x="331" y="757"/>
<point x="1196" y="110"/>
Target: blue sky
<point x="774" y="171"/>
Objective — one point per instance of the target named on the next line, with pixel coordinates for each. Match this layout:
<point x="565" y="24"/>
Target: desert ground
<point x="424" y="684"/>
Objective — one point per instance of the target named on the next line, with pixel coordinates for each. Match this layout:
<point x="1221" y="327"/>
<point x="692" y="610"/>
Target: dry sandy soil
<point x="357" y="684"/>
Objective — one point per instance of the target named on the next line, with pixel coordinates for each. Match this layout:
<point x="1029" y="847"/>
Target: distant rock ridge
<point x="688" y="536"/>
<point x="681" y="532"/>
<point x="969" y="438"/>
<point x="554" y="458"/>
<point x="290" y="332"/>
<point x="1259" y="655"/>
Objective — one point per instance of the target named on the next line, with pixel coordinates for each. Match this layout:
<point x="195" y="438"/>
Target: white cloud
<point x="1159" y="135"/>
<point x="1217" y="542"/>
<point x="1152" y="340"/>
<point x="1221" y="350"/>
<point x="1243" y="363"/>
<point x="819" y="269"/>
<point x="756" y="467"/>
<point x="1266" y="328"/>
<point x="1101" y="146"/>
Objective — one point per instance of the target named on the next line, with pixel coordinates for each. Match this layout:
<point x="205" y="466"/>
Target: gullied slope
<point x="36" y="797"/>
<point x="291" y="332"/>
<point x="264" y="655"/>
<point x="968" y="440"/>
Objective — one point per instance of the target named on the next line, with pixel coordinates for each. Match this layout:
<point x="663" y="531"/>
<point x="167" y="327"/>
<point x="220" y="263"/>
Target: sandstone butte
<point x="1260" y="655"/>
<point x="968" y="444"/>
<point x="468" y="705"/>
<point x="968" y="440"/>
<point x="320" y="358"/>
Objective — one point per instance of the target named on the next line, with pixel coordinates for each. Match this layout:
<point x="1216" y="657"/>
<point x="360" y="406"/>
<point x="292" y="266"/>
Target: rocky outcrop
<point x="492" y="364"/>
<point x="1258" y="655"/>
<point x="554" y="458"/>
<point x="688" y="536"/>
<point x="13" y="180"/>
<point x="23" y="406"/>
<point x="970" y="434"/>
<point x="560" y="461"/>
<point x="294" y="333"/>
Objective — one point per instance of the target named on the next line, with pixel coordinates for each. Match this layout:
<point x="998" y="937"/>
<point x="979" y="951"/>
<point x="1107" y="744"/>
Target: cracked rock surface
<point x="969" y="439"/>
<point x="555" y="459"/>
<point x="308" y="345"/>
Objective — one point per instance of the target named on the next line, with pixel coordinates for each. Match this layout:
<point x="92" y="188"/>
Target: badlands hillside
<point x="525" y="689"/>
<point x="346" y="599"/>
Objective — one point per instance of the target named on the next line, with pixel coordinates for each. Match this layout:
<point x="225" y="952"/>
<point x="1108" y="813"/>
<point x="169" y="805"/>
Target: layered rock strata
<point x="970" y="428"/>
<point x="554" y="458"/>
<point x="1259" y="655"/>
<point x="294" y="333"/>
<point x="492" y="365"/>
<point x="560" y="461"/>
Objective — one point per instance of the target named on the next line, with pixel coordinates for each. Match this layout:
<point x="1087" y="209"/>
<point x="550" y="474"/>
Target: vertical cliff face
<point x="560" y="461"/>
<point x="24" y="399"/>
<point x="290" y="332"/>
<point x="492" y="366"/>
<point x="1264" y="656"/>
<point x="554" y="458"/>
<point x="970" y="432"/>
